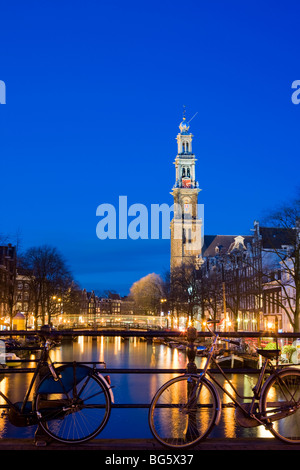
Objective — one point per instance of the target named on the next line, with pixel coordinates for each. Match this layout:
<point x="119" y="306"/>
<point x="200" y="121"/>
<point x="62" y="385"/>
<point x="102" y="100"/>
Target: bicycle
<point x="185" y="409"/>
<point x="71" y="403"/>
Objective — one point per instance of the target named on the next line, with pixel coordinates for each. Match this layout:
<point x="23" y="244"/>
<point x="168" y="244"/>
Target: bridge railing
<point x="190" y="338"/>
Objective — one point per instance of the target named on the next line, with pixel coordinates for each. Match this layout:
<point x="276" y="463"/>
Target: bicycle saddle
<point x="269" y="353"/>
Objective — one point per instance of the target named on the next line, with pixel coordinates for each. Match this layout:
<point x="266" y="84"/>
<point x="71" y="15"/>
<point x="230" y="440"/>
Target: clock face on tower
<point x="187" y="206"/>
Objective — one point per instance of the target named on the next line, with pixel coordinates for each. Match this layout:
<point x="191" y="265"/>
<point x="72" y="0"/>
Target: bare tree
<point x="48" y="278"/>
<point x="281" y="258"/>
<point x="72" y="299"/>
<point x="147" y="294"/>
<point x="185" y="290"/>
<point x="211" y="291"/>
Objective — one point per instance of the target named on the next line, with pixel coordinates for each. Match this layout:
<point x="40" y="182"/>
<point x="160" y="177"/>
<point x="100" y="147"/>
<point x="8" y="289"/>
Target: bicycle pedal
<point x="269" y="426"/>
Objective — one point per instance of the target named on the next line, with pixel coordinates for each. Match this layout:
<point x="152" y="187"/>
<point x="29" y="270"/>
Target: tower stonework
<point x="186" y="226"/>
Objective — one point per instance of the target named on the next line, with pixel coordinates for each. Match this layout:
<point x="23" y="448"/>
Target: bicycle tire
<point x="280" y="398"/>
<point x="177" y="423"/>
<point x="74" y="408"/>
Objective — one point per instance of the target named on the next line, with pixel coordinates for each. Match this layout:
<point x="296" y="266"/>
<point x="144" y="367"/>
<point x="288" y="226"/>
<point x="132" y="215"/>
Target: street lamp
<point x="58" y="305"/>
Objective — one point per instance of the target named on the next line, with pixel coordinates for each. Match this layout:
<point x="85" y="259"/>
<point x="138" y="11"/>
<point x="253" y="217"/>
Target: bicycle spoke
<point x="80" y="417"/>
<point x="94" y="395"/>
<point x="280" y="404"/>
<point x="182" y="412"/>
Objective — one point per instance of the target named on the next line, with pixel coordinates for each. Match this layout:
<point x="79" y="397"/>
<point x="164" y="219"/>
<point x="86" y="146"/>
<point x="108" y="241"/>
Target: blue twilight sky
<point x="95" y="91"/>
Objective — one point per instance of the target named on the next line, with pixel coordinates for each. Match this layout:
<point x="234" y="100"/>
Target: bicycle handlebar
<point x="215" y="333"/>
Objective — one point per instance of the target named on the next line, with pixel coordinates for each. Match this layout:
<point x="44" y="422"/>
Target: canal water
<point x="132" y="353"/>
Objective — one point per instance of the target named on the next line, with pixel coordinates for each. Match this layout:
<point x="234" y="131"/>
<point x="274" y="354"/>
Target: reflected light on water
<point x="101" y="352"/>
<point x="56" y="355"/>
<point x="117" y="345"/>
<point x="175" y="358"/>
<point x="81" y="343"/>
<point x="228" y="413"/>
<point x="263" y="432"/>
<point x="131" y="353"/>
<point x="4" y="389"/>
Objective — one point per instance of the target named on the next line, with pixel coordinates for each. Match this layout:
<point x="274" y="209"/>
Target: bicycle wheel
<point x="183" y="411"/>
<point x="280" y="402"/>
<point x="74" y="408"/>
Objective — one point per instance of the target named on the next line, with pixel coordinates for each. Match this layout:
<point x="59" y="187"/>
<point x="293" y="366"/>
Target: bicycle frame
<point x="185" y="409"/>
<point x="44" y="359"/>
<point x="256" y="389"/>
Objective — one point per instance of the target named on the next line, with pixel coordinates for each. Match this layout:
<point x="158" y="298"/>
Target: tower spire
<point x="186" y="226"/>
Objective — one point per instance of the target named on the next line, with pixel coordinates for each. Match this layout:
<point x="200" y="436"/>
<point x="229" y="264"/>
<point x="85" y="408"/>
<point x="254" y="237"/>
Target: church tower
<point x="186" y="226"/>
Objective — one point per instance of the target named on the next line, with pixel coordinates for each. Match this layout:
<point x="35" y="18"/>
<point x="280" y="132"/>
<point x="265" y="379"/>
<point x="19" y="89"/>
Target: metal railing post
<point x="191" y="368"/>
<point x="191" y="350"/>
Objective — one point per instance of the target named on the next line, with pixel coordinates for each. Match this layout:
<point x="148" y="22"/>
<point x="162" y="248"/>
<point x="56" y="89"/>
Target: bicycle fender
<point x="219" y="412"/>
<point x="219" y="407"/>
<point x="102" y="378"/>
